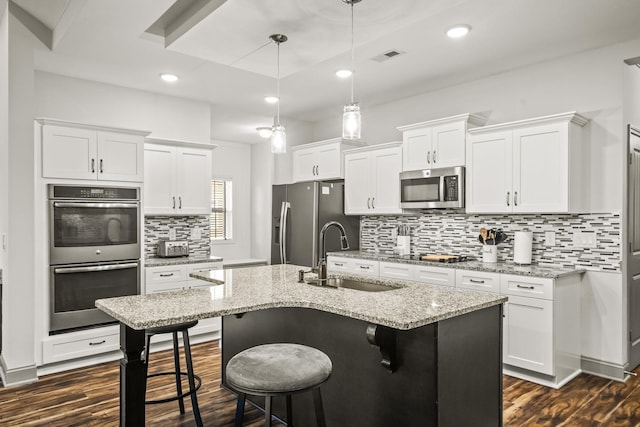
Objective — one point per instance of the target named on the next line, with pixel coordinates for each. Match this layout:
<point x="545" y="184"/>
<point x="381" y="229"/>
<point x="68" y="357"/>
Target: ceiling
<point x="222" y="52"/>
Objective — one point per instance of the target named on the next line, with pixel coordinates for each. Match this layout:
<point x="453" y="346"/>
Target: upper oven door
<point x="92" y="231"/>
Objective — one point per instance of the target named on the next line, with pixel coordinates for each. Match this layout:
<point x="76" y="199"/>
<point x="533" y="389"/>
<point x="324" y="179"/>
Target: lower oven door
<point x="74" y="288"/>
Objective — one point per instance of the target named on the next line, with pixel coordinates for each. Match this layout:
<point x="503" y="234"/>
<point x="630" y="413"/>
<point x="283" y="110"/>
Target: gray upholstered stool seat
<point x="194" y="380"/>
<point x="278" y="369"/>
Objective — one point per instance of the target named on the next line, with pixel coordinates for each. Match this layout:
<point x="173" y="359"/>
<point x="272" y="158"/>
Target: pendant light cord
<point x="352" y="68"/>
<point x="278" y="86"/>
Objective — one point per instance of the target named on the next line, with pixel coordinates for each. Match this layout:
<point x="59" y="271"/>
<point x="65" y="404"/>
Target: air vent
<point x="393" y="53"/>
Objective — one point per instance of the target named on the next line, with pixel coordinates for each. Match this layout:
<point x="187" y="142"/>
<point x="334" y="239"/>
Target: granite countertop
<point x="475" y="265"/>
<point x="158" y="262"/>
<point x="409" y="306"/>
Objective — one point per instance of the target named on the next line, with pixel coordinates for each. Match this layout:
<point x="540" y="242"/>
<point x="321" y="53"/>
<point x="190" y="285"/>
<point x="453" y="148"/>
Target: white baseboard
<point x="19" y="376"/>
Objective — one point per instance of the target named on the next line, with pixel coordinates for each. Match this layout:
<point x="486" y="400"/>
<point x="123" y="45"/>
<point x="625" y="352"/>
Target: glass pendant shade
<point x="278" y="140"/>
<point x="351" y="124"/>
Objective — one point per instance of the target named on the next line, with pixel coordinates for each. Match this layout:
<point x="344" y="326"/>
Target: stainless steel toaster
<point x="172" y="248"/>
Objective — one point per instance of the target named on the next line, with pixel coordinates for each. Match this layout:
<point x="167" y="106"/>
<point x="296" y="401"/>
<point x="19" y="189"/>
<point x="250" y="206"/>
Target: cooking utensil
<point x="483" y="235"/>
<point x="492" y="237"/>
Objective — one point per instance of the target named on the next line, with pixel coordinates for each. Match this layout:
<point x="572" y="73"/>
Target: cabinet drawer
<point x="365" y="267"/>
<point x="478" y="281"/>
<point x="206" y="266"/>
<point x="58" y="348"/>
<point x="154" y="288"/>
<point x="435" y="275"/>
<point x="394" y="270"/>
<point x="172" y="273"/>
<point x="339" y="265"/>
<point x="534" y="287"/>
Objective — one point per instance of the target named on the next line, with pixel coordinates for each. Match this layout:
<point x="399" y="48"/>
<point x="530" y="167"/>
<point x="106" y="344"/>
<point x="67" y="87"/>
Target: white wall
<point x="89" y="102"/>
<point x="261" y="179"/>
<point x="18" y="352"/>
<point x="231" y="161"/>
<point x="4" y="129"/>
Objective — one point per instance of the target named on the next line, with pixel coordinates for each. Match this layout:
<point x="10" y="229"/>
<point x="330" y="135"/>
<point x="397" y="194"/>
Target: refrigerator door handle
<point x="284" y="210"/>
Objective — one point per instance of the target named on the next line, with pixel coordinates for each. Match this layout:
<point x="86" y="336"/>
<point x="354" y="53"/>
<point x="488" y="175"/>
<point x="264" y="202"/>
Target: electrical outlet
<point x="196" y="233"/>
<point x="549" y="238"/>
<point x="172" y="234"/>
<point x="584" y="239"/>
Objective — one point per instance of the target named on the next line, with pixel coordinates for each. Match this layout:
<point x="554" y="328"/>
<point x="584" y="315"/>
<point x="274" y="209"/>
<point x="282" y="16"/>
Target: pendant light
<point x="351" y="121"/>
<point x="278" y="135"/>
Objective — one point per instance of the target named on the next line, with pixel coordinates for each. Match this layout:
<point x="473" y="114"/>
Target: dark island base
<point x="444" y="374"/>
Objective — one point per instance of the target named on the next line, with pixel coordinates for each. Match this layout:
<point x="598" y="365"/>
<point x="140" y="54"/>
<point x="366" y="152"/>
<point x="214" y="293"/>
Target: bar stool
<point x="278" y="369"/>
<point x="194" y="380"/>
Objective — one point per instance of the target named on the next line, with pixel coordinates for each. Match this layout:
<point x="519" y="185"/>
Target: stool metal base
<point x="196" y="378"/>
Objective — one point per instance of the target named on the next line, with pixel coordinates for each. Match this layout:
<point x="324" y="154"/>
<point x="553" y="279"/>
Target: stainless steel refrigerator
<point x="298" y="213"/>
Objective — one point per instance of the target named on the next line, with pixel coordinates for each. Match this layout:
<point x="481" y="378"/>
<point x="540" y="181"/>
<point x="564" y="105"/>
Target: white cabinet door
<point x="304" y="165"/>
<point x="489" y="169"/>
<point x="528" y="334"/>
<point x="193" y="181"/>
<point x="448" y="145"/>
<point x="540" y="169"/>
<point x="120" y="157"/>
<point x="357" y="187"/>
<point x="159" y="179"/>
<point x="416" y="149"/>
<point x="69" y="153"/>
<point x="386" y="167"/>
<point x="329" y="162"/>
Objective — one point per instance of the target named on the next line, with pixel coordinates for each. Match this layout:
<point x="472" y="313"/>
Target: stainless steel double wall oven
<point x="94" y="251"/>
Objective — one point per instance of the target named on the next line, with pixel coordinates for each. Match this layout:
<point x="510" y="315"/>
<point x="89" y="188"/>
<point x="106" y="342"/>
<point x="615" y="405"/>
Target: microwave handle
<point x="441" y="189"/>
<point x="94" y="205"/>
<point x="88" y="269"/>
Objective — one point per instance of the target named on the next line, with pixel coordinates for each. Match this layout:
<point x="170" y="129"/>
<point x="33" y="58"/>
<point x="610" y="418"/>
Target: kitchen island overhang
<point x="458" y="328"/>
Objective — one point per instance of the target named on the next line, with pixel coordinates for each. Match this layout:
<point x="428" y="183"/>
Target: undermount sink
<point x="334" y="282"/>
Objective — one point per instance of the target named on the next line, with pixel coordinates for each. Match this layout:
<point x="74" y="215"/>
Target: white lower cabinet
<point x="175" y="278"/>
<point x="74" y="345"/>
<point x="435" y="275"/>
<point x="528" y="334"/>
<point x="478" y="280"/>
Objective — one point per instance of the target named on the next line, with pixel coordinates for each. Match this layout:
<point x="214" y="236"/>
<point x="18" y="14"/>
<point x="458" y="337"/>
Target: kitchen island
<point x="413" y="355"/>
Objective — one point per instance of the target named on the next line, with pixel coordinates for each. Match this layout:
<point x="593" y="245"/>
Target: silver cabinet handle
<point x="525" y="287"/>
<point x="313" y="170"/>
<point x="373" y="200"/>
<point x="429" y="157"/>
<point x="317" y="170"/>
<point x="338" y="264"/>
<point x="180" y="202"/>
<point x="508" y="194"/>
<point x="98" y="342"/>
<point x="365" y="267"/>
<point x="93" y="165"/>
<point x="476" y="281"/>
<point x="515" y="198"/>
<point x="101" y="166"/>
<point x="174" y="202"/>
<point x="368" y="202"/>
<point x="434" y="157"/>
<point x="166" y="275"/>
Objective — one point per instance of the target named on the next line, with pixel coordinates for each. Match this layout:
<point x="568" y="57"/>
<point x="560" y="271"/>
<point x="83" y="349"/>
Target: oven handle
<point x="94" y="205"/>
<point x="64" y="270"/>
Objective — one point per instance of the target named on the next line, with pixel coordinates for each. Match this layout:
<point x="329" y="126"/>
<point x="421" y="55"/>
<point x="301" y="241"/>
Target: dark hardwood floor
<point x="89" y="397"/>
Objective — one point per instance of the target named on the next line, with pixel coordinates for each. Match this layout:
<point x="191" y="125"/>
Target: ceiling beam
<point x="188" y="18"/>
<point x="64" y="23"/>
<point x="37" y="28"/>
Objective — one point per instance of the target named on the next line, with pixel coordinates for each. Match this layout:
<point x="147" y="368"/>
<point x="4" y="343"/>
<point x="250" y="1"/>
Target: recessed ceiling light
<point x="458" y="31"/>
<point x="343" y="74"/>
<point x="169" y="77"/>
<point x="271" y="99"/>
<point x="264" y="131"/>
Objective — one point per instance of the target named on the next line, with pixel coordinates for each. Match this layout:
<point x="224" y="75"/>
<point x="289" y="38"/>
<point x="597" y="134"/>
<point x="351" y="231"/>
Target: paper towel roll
<point x="523" y="241"/>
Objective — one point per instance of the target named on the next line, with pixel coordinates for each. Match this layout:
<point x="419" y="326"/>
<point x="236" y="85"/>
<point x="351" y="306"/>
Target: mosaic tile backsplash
<point x="454" y="233"/>
<point x="157" y="227"/>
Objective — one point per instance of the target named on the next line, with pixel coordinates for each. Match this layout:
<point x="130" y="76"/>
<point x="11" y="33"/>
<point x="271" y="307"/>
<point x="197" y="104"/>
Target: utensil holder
<point x="403" y="246"/>
<point x="489" y="253"/>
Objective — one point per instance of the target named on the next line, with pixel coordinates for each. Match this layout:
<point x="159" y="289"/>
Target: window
<point x="220" y="221"/>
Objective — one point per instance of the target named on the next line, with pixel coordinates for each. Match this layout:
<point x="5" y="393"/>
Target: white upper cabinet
<point x="320" y="160"/>
<point x="436" y="143"/>
<point x="177" y="179"/>
<point x="77" y="151"/>
<point x="529" y="166"/>
<point x="372" y="180"/>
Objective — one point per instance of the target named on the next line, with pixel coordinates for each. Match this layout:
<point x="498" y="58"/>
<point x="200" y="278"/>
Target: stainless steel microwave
<point x="432" y="188"/>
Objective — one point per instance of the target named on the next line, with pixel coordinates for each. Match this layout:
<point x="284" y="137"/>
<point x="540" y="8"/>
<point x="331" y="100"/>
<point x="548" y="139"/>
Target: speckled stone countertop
<point x="476" y="265"/>
<point x="158" y="262"/>
<point x="409" y="306"/>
